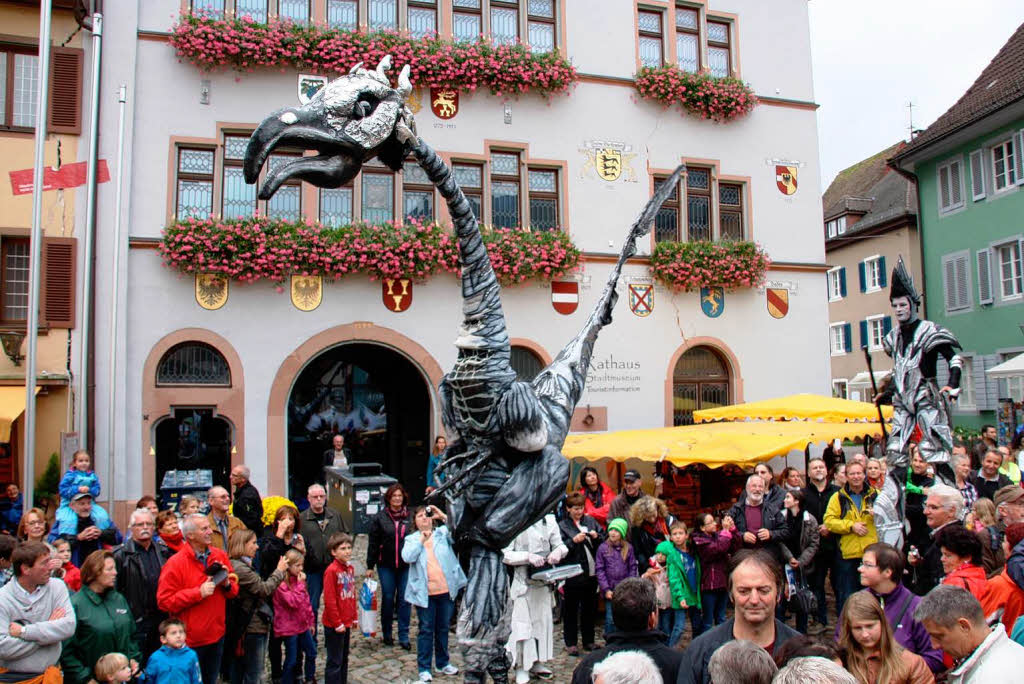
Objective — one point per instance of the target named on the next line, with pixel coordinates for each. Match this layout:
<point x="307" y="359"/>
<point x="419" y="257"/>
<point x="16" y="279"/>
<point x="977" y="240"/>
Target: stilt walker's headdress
<point x="903" y="284"/>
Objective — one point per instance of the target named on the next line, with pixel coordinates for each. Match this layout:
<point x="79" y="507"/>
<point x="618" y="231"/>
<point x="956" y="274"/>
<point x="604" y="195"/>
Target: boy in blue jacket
<point x="174" y="662"/>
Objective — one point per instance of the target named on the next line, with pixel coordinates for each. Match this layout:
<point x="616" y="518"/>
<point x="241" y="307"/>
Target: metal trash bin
<point x="357" y="493"/>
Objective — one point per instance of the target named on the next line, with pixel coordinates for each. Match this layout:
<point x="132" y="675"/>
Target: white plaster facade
<point x="769" y="357"/>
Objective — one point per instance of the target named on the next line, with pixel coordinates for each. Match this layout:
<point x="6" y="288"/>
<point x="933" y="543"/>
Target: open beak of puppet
<point x="337" y="160"/>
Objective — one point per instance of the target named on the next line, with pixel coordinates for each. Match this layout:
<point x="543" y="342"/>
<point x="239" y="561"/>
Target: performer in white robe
<point x="531" y="643"/>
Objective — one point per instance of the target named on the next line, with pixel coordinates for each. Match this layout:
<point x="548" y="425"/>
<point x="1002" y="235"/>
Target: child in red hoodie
<point x="68" y="571"/>
<point x="340" y="615"/>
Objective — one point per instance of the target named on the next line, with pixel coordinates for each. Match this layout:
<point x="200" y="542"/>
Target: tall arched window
<point x="193" y="363"/>
<point x="700" y="380"/>
<point x="526" y="364"/>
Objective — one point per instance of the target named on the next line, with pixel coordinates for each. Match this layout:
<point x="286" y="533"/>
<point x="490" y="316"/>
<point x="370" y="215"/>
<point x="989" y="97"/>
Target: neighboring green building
<point x="969" y="167"/>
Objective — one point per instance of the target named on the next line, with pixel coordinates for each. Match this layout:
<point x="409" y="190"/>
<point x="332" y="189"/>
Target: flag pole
<point x="36" y="251"/>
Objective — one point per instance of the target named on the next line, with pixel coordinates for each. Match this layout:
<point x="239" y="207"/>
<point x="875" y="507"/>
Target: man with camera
<point x="194" y="587"/>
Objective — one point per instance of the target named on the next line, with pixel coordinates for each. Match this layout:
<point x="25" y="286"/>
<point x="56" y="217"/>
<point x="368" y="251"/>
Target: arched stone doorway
<point x="700" y="380"/>
<point x="372" y="394"/>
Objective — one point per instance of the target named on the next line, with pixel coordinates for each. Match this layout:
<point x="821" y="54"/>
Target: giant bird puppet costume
<point x="915" y="346"/>
<point x="504" y="468"/>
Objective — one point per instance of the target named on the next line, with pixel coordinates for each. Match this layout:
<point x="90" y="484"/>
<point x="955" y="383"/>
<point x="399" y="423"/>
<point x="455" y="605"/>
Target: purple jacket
<point x="713" y="551"/>
<point x="909" y="633"/>
<point x="610" y="568"/>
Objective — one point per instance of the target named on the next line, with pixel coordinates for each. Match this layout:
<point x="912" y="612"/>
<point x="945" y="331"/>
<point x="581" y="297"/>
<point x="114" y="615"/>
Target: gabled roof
<point x="1000" y="84"/>
<point x="872" y="189"/>
<point x="855" y="183"/>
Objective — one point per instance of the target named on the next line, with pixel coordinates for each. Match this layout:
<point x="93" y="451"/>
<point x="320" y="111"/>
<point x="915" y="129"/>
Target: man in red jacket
<point x="194" y="587"/>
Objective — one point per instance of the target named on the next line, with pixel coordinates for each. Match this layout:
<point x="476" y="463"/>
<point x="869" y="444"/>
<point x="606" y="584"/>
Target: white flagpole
<point x="36" y="251"/>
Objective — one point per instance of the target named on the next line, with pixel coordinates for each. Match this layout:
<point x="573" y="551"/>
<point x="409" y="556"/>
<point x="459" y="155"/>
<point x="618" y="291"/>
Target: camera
<point x="429" y="511"/>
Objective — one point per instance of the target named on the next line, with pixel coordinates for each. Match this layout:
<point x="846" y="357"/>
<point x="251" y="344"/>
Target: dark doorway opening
<point x="376" y="398"/>
<point x="194" y="439"/>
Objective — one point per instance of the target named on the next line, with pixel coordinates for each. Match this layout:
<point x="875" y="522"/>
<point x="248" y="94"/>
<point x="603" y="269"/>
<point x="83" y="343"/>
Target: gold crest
<point x="609" y="161"/>
<point x="414" y="100"/>
<point x="608" y="164"/>
<point x="307" y="292"/>
<point x="211" y="290"/>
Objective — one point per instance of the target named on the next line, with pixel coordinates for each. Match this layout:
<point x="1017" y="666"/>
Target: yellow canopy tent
<point x="797" y="407"/>
<point x="741" y="444"/>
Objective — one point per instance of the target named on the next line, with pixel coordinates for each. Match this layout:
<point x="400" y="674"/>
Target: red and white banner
<point x="565" y="296"/>
<point x="67" y="176"/>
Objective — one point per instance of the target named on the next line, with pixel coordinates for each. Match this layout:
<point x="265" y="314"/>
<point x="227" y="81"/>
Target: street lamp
<point x="11" y="341"/>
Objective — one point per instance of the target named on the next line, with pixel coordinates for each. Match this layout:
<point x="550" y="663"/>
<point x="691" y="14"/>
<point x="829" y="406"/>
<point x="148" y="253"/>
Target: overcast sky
<point x="873" y="56"/>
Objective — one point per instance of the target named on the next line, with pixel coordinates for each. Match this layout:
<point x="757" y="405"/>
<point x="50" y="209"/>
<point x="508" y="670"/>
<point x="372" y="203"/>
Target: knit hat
<point x="619" y="525"/>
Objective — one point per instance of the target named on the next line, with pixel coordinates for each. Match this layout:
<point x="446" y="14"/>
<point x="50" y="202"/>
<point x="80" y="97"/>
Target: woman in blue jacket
<point x="435" y="579"/>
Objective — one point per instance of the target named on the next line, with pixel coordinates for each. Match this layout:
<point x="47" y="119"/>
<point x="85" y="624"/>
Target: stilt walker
<point x="915" y="346"/>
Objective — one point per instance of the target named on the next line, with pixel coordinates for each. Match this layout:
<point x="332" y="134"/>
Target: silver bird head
<point x="349" y="121"/>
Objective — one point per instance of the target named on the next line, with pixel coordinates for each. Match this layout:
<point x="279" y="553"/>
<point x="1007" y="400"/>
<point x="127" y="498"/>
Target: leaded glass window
<point x="540" y="24"/>
<point x="543" y="185"/>
<point x="505" y="190"/>
<point x="383" y="15"/>
<point x="378" y="197"/>
<point x="255" y="9"/>
<point x="422" y="18"/>
<point x="688" y="39"/>
<point x="336" y="206"/>
<point x="209" y="8"/>
<point x="650" y="40"/>
<point x="294" y="10"/>
<point x="343" y="14"/>
<point x="195" y="184"/>
<point x="417" y="192"/>
<point x="504" y="22"/>
<point x="698" y="204"/>
<point x="719" y="60"/>
<point x="239" y="198"/>
<point x="470" y="178"/>
<point x="193" y="363"/>
<point x="730" y="211"/>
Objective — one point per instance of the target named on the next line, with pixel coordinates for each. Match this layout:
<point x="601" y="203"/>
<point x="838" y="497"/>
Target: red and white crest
<point x="565" y="296"/>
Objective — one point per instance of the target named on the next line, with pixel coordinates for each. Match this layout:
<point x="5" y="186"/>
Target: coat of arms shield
<point x="396" y="294"/>
<point x="712" y="301"/>
<point x="307" y="292"/>
<point x="778" y="301"/>
<point x="310" y="85"/>
<point x="785" y="179"/>
<point x="641" y="299"/>
<point x="211" y="290"/>
<point x="608" y="163"/>
<point x="444" y="102"/>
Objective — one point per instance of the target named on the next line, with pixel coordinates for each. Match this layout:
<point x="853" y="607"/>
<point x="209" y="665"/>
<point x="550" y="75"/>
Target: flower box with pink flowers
<point x="702" y="95"/>
<point x="239" y="43"/>
<point x="261" y="248"/>
<point x="687" y="266"/>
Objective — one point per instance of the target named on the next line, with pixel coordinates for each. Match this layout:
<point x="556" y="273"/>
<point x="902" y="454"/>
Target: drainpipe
<point x="122" y="97"/>
<point x="95" y="25"/>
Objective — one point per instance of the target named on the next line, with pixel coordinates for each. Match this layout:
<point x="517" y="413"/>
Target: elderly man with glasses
<point x="944" y="506"/>
<point x="139" y="562"/>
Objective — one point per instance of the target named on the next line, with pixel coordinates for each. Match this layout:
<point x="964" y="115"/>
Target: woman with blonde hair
<point x="872" y="654"/>
<point x="648" y="527"/>
<point x="33" y="526"/>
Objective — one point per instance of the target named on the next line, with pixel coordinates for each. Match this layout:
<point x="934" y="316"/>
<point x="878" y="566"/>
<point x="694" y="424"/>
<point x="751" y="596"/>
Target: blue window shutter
<point x="863" y="334"/>
<point x="883" y="278"/>
<point x="887" y="325"/>
<point x="842" y="282"/>
<point x="848" y="336"/>
<point x="863" y="278"/>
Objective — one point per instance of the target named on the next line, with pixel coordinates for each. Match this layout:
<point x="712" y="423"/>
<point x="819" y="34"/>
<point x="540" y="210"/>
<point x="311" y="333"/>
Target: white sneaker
<point x="426" y="676"/>
<point x="450" y="669"/>
<point x="522" y="676"/>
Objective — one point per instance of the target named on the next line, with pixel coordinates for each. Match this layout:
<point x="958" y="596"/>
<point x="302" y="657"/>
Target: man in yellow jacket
<point x="850" y="516"/>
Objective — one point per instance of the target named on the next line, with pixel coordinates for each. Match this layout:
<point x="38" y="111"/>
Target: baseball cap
<point x="1008" y="494"/>
<point x="631" y="475"/>
<point x="81" y="495"/>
